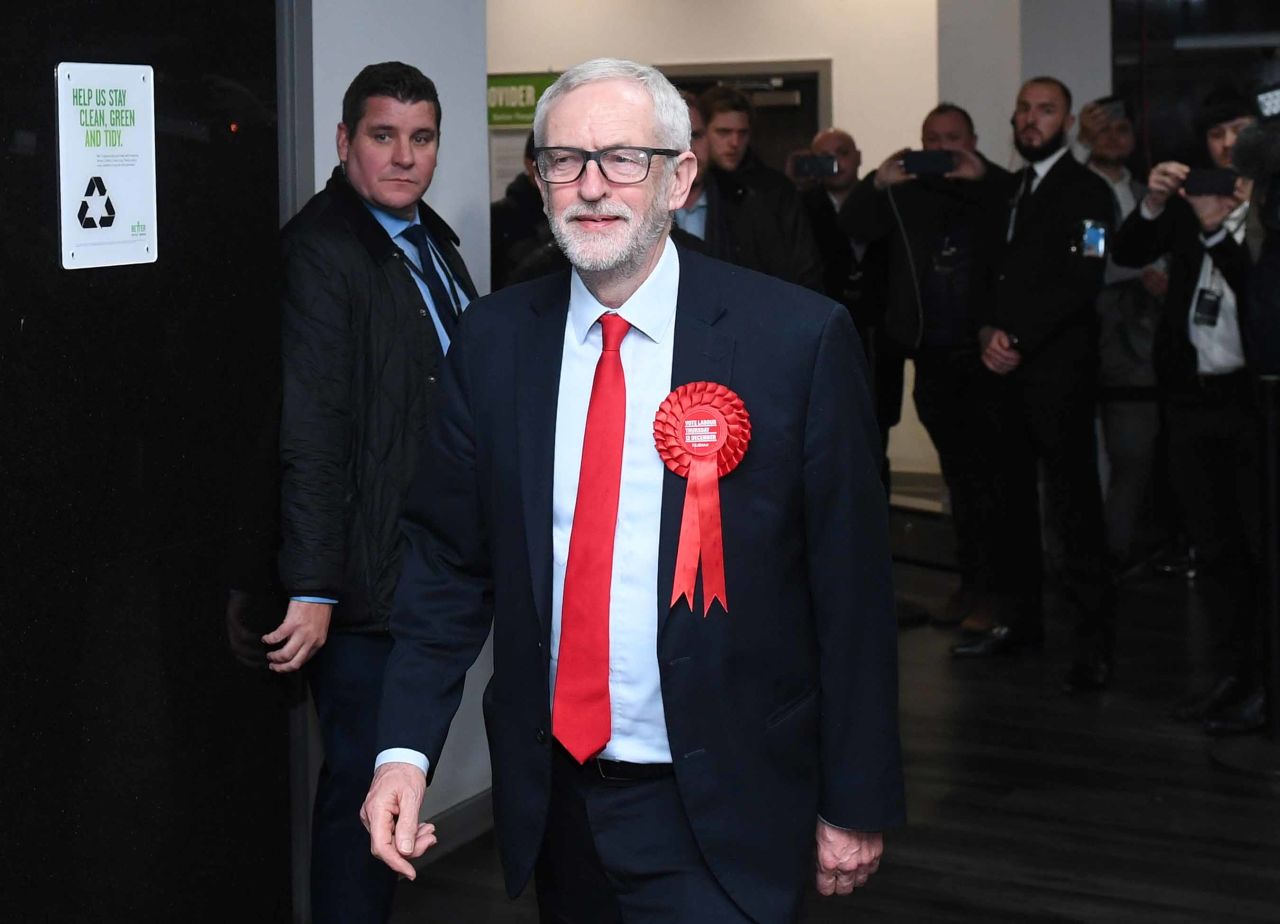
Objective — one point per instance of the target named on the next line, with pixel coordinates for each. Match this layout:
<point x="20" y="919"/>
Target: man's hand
<point x="846" y="859"/>
<point x="303" y="633"/>
<point x="968" y="166"/>
<point x="998" y="352"/>
<point x="1155" y="281"/>
<point x="1093" y="119"/>
<point x="1213" y="210"/>
<point x="1164" y="180"/>
<point x="390" y="815"/>
<point x="890" y="173"/>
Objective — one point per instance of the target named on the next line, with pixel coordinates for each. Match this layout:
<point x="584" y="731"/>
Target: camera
<point x="814" y="166"/>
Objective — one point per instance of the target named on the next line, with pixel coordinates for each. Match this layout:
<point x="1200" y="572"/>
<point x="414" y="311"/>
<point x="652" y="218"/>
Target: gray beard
<point x="632" y="256"/>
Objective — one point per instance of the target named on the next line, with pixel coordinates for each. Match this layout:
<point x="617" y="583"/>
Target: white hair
<point x="670" y="113"/>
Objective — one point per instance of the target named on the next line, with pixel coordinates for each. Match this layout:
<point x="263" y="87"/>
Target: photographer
<point x="1203" y="366"/>
<point x="940" y="232"/>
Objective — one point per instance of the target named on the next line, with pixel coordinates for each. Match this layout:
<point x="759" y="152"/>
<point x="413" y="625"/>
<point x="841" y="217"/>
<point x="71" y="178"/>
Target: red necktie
<point x="580" y="711"/>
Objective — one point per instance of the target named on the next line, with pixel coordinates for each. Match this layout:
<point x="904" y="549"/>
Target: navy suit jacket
<point x="778" y="710"/>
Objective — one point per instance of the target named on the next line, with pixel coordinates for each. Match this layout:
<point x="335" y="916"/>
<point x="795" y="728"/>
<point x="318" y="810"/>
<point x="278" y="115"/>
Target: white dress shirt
<point x="1038" y="171"/>
<point x="638" y="723"/>
<point x="1219" y="349"/>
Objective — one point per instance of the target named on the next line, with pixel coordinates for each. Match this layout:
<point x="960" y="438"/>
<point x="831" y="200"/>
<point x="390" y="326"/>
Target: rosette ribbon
<point x="701" y="431"/>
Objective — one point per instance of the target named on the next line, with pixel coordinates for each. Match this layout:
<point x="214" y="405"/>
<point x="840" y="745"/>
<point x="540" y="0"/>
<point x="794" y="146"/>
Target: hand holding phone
<point x="814" y="166"/>
<point x="928" y="163"/>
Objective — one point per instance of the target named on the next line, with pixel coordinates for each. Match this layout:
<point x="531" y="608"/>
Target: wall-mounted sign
<point x="512" y="98"/>
<point x="106" y="164"/>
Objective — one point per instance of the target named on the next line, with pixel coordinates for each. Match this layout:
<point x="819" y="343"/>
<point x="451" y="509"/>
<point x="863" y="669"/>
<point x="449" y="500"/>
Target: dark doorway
<point x="788" y="103"/>
<point x="145" y="771"/>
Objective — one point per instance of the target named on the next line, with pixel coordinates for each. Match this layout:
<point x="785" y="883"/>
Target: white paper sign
<point x="106" y="164"/>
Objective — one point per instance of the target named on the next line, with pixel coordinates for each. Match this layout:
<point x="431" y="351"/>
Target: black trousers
<point x="622" y="852"/>
<point x="348" y="884"/>
<point x="1047" y="430"/>
<point x="958" y="401"/>
<point x="1215" y="461"/>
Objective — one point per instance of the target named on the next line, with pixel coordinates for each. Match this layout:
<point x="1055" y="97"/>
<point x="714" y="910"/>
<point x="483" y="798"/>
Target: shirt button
<point x="542" y="736"/>
<point x="431" y="380"/>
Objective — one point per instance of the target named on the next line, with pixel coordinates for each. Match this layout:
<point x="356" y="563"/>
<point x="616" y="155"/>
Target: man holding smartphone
<point x="936" y="214"/>
<point x="1202" y="359"/>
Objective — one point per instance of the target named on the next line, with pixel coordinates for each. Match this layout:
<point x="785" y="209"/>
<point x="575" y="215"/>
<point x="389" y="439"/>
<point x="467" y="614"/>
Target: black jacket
<point x="755" y="219"/>
<point x="360" y="357"/>
<point x="1045" y="290"/>
<point x="855" y="283"/>
<point x="517" y="227"/>
<point x="1176" y="231"/>
<point x="928" y="207"/>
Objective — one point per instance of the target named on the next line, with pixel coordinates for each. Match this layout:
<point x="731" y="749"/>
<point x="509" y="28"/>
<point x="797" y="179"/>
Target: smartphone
<point x="814" y="165"/>
<point x="1214" y="182"/>
<point x="928" y="163"/>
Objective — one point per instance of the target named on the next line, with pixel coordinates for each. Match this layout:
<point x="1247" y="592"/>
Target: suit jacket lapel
<point x="537" y="393"/>
<point x="701" y="354"/>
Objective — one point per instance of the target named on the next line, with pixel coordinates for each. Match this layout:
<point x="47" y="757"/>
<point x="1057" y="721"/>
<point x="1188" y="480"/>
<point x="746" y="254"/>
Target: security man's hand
<point x="301" y="635"/>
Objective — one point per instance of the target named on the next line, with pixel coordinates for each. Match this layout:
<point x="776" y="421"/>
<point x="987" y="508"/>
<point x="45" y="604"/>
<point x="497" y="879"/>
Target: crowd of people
<point x="1090" y="412"/>
<point x="454" y="464"/>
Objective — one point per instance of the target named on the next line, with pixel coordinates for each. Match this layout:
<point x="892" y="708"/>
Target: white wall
<point x="445" y="40"/>
<point x="980" y="66"/>
<point x="883" y="54"/>
<point x="1070" y="41"/>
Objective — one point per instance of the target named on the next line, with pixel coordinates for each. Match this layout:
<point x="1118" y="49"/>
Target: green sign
<point x="512" y="97"/>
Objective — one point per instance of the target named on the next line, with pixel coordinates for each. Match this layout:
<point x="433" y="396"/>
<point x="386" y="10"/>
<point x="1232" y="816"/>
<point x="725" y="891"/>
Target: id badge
<point x="1208" y="304"/>
<point x="1093" y="239"/>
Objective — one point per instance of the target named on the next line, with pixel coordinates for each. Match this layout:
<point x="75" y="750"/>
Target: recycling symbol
<point x="96" y="210"/>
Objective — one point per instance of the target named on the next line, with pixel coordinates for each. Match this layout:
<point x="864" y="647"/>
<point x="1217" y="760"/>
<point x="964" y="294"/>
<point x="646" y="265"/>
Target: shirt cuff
<point x="1147" y="213"/>
<point x="403" y="756"/>
<point x="328" y="600"/>
<point x="1214" y="239"/>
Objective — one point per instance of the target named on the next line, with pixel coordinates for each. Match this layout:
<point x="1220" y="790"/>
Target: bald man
<point x="844" y="277"/>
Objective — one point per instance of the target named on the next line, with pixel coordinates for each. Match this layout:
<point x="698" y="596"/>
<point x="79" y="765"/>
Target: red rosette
<point x="701" y="432"/>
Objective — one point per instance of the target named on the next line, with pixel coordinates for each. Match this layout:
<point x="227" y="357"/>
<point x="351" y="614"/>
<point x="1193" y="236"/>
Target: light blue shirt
<point x="692" y="219"/>
<point x="639" y="729"/>
<point x="395" y="227"/>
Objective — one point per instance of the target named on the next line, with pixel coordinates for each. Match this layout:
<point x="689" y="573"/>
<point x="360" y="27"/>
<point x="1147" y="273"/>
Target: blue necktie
<point x="445" y="309"/>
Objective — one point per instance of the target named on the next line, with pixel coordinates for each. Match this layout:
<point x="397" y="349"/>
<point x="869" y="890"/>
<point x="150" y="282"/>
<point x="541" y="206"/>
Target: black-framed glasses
<point x="623" y="164"/>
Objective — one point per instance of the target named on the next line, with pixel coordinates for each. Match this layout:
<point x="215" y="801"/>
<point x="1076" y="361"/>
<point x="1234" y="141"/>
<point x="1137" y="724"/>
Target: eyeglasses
<point x="619" y="165"/>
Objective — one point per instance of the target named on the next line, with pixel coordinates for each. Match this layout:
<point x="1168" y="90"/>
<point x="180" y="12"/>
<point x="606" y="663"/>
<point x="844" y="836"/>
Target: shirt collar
<point x="1041" y="167"/>
<point x="651" y="309"/>
<point x="394" y="225"/>
<point x="698" y="206"/>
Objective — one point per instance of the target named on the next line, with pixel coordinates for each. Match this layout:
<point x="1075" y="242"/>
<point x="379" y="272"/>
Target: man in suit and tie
<point x="373" y="287"/>
<point x="657" y="755"/>
<point x="1039" y="333"/>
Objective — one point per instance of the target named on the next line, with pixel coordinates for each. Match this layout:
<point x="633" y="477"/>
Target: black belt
<point x="623" y="771"/>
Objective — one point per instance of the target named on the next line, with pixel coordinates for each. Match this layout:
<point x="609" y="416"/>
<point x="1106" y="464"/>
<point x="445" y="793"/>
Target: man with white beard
<point x="693" y="637"/>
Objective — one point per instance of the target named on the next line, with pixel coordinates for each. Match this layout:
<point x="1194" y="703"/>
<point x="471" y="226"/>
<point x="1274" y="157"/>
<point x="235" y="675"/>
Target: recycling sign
<point x="104" y="218"/>
<point x="106" y="164"/>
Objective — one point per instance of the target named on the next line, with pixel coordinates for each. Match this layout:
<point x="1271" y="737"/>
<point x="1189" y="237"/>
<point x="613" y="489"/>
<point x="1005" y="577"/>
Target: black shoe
<point x="1088" y="675"/>
<point x="1244" y="717"/>
<point x="1001" y="640"/>
<point x="1226" y="690"/>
